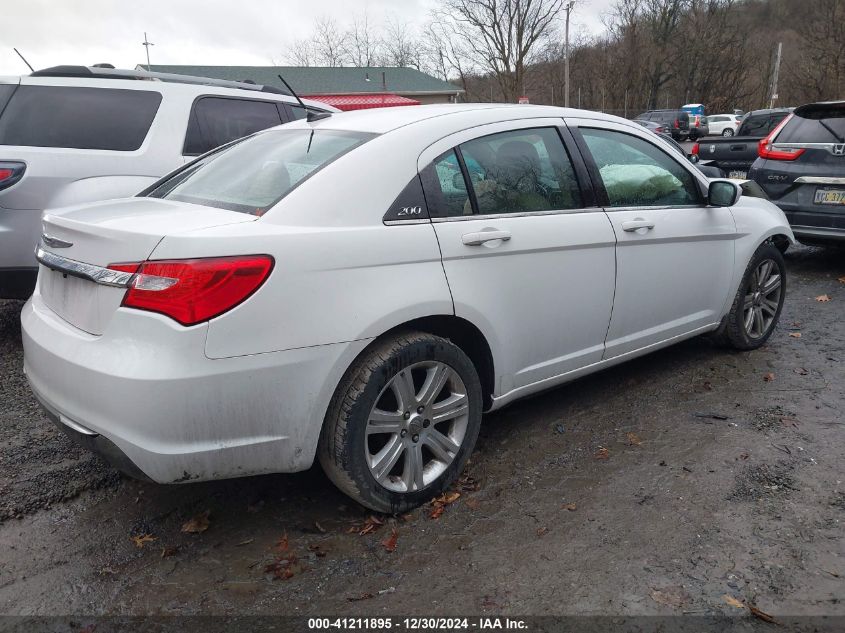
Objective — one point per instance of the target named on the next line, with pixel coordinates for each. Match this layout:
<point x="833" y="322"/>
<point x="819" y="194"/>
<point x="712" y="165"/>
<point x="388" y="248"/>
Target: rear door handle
<point x="635" y="225"/>
<point x="482" y="237"/>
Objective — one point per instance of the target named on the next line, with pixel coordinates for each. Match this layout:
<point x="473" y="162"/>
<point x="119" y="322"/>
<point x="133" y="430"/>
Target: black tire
<point x="727" y="132"/>
<point x="732" y="332"/>
<point x="343" y="442"/>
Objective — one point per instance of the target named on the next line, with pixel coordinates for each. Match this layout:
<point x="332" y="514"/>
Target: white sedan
<point x="361" y="288"/>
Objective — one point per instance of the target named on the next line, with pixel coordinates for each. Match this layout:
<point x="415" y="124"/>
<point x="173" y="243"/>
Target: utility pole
<point x="774" y="94"/>
<point x="146" y="44"/>
<point x="568" y="9"/>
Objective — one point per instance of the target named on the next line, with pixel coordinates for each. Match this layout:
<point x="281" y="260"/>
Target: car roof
<point x="383" y="120"/>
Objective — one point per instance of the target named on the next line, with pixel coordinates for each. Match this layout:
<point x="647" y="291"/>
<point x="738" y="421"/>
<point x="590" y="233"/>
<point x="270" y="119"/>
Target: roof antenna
<point x="311" y="115"/>
<point x="24" y="59"/>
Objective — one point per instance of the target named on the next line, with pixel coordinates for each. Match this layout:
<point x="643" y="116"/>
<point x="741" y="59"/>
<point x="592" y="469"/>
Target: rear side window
<point x="822" y="130"/>
<point x="78" y="118"/>
<point x="253" y="175"/>
<point x="761" y="124"/>
<point x="216" y="121"/>
<point x="636" y="173"/>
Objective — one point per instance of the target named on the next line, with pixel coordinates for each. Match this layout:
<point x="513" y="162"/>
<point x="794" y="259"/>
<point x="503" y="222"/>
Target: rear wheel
<point x="402" y="423"/>
<point x="727" y="132"/>
<point x="758" y="303"/>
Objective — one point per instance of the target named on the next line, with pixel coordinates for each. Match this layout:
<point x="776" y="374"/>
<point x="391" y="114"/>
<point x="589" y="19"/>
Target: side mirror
<point x="693" y="158"/>
<point x="723" y="193"/>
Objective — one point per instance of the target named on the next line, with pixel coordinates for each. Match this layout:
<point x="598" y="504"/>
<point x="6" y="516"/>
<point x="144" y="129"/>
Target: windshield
<point x="253" y="175"/>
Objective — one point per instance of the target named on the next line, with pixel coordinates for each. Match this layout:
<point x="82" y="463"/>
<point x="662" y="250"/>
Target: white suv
<point x="75" y="134"/>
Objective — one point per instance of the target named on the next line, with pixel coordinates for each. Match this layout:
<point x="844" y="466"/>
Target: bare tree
<point x="502" y="37"/>
<point x="330" y="45"/>
<point x="400" y="48"/>
<point x="364" y="48"/>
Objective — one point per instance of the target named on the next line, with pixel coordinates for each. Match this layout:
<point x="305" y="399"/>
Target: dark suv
<point x="801" y="166"/>
<point x="676" y="121"/>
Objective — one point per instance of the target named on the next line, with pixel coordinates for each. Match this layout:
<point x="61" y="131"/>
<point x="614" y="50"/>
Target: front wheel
<point x="402" y="422"/>
<point x="758" y="303"/>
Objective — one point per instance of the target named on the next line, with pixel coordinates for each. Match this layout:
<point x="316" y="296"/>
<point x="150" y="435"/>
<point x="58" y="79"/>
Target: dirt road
<point x="676" y="483"/>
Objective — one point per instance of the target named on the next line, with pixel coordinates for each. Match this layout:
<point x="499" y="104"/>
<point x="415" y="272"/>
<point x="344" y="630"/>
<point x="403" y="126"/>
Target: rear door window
<point x="215" y="121"/>
<point x="78" y="118"/>
<point x="636" y="173"/>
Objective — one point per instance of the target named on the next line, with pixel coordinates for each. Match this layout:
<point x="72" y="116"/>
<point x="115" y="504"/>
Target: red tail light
<point x="695" y="149"/>
<point x="766" y="148"/>
<point x="677" y="124"/>
<point x="10" y="173"/>
<point x="191" y="291"/>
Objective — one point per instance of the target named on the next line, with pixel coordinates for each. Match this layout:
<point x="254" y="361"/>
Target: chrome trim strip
<point x="97" y="274"/>
<point x="828" y="147"/>
<point x="523" y="214"/>
<point x="401" y="222"/>
<point x="819" y="180"/>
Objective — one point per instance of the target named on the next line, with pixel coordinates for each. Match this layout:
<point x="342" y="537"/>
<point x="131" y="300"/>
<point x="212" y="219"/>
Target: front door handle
<point x="635" y="225"/>
<point x="482" y="237"/>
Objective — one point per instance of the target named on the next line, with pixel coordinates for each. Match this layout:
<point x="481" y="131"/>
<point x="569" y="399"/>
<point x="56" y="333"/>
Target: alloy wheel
<point x="762" y="299"/>
<point x="416" y="427"/>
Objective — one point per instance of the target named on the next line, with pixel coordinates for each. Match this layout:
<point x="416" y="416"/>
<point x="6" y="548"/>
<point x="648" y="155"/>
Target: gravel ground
<point x="676" y="483"/>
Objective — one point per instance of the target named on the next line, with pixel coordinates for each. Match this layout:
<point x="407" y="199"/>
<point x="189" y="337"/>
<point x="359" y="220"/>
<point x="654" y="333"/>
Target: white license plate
<point x="73" y="299"/>
<point x="830" y="196"/>
<point x="738" y="175"/>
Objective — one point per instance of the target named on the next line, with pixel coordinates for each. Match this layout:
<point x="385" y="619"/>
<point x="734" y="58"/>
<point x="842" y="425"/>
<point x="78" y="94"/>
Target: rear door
<point x="674" y="254"/>
<point x="527" y="254"/>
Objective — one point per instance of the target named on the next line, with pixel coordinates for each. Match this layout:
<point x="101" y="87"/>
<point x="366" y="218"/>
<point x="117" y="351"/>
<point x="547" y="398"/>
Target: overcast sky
<point x="215" y="32"/>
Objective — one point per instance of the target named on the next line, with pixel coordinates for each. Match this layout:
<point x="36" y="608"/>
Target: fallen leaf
<point x="447" y="498"/>
<point x="633" y="439"/>
<point x="363" y="596"/>
<point x="468" y="484"/>
<point x="285" y="567"/>
<point x="602" y="453"/>
<point x="768" y="377"/>
<point x="571" y="507"/>
<point x="197" y="524"/>
<point x="707" y="385"/>
<point x="142" y="539"/>
<point x="733" y="601"/>
<point x="801" y="371"/>
<point x="542" y="531"/>
<point x="762" y="615"/>
<point x="823" y="298"/>
<point x="472" y="504"/>
<point x="436" y="512"/>
<point x="671" y="596"/>
<point x="390" y="542"/>
<point x="167" y="552"/>
<point x="406" y="518"/>
<point x="283" y="544"/>
<point x="795" y="334"/>
<point x="318" y="550"/>
<point x="744" y="455"/>
<point x="370" y="525"/>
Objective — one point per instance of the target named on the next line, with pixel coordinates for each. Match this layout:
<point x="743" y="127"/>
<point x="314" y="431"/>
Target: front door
<point x="675" y="254"/>
<point x="525" y="259"/>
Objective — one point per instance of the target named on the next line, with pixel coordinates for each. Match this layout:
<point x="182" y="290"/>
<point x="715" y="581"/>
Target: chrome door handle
<point x="482" y="237"/>
<point x="637" y="224"/>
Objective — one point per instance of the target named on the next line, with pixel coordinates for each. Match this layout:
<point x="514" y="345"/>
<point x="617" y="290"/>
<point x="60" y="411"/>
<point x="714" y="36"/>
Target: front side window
<point x="253" y="175"/>
<point x="636" y="173"/>
<point x="215" y="121"/>
<point x="78" y="118"/>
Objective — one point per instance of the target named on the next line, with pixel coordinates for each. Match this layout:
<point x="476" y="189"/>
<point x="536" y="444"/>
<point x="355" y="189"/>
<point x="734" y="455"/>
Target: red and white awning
<point x="363" y="102"/>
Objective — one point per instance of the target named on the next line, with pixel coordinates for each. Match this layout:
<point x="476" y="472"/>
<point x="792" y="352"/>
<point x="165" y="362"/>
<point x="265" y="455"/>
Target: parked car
<point x="677" y="121"/>
<point x="653" y="126"/>
<point x="723" y="124"/>
<point x="801" y="166"/>
<point x="699" y="127"/>
<point x="708" y="170"/>
<point x="734" y="155"/>
<point x="74" y="134"/>
<point x="359" y="289"/>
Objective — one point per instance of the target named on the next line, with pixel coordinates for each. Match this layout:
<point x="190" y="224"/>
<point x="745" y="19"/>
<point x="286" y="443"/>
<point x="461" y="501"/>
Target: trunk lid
<point x="111" y="232"/>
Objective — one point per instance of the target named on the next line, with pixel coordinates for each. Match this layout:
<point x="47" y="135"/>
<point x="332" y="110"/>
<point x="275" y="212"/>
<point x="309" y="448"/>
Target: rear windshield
<point x="825" y="129"/>
<point x="78" y="118"/>
<point x="760" y="124"/>
<point x="253" y="175"/>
